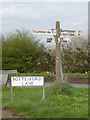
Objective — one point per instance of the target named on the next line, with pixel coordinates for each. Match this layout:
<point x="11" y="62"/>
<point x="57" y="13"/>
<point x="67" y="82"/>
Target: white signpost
<point x="27" y="81"/>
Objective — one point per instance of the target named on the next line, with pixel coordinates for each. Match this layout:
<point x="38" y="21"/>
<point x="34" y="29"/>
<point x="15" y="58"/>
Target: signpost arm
<point x="58" y="70"/>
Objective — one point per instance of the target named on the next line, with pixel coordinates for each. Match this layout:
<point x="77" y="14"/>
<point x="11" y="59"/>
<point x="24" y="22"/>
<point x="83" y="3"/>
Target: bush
<point x="61" y="88"/>
<point x="75" y="56"/>
<point x="24" y="52"/>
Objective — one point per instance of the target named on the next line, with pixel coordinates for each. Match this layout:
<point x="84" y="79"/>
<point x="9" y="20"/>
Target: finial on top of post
<point x="57" y="22"/>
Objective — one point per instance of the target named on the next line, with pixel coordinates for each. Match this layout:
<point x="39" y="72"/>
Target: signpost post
<point x="58" y="72"/>
<point x="57" y="33"/>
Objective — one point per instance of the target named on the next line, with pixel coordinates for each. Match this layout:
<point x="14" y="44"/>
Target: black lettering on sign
<point x="39" y="78"/>
<point x="27" y="84"/>
<point x="26" y="78"/>
<point x="41" y="32"/>
<point x="48" y="32"/>
<point x="15" y="78"/>
<point x="34" y="78"/>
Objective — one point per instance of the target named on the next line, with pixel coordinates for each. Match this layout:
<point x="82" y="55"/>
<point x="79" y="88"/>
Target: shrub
<point x="24" y="52"/>
<point x="61" y="88"/>
<point x="75" y="55"/>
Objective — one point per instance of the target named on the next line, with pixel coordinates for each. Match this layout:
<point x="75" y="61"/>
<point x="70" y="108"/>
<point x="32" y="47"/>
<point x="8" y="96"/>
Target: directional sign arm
<point x="42" y="32"/>
<point x="71" y="32"/>
<point x="62" y="32"/>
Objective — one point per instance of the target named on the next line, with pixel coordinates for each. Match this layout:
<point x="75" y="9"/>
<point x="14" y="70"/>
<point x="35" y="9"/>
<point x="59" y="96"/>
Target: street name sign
<point x="27" y="81"/>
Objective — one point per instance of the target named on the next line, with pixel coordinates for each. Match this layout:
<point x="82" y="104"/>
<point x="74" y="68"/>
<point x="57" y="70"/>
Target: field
<point x="29" y="102"/>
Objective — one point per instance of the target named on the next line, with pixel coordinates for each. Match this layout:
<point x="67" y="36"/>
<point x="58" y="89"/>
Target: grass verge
<point x="29" y="101"/>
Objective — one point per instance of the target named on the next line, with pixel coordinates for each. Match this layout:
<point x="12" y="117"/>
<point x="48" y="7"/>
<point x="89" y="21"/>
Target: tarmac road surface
<point x="74" y="85"/>
<point x="81" y="85"/>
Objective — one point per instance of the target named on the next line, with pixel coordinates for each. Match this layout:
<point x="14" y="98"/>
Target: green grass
<point x="77" y="74"/>
<point x="29" y="101"/>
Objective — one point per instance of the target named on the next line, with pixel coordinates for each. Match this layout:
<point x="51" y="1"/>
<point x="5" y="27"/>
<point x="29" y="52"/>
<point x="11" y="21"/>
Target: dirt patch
<point x="78" y="80"/>
<point x="7" y="112"/>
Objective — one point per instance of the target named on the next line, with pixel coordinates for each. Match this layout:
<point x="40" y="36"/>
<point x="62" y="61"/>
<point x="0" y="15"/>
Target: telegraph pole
<point x="58" y="70"/>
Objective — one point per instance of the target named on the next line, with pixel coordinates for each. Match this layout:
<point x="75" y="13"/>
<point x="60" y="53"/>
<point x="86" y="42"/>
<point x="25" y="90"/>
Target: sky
<point x="44" y="1"/>
<point x="43" y="16"/>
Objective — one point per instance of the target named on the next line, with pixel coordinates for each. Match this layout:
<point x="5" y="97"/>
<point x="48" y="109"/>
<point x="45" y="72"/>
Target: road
<point x="81" y="85"/>
<point x="74" y="85"/>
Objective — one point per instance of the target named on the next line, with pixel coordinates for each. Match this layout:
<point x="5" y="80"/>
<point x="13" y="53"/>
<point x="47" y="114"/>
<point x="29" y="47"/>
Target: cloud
<point x="44" y="1"/>
<point x="44" y="15"/>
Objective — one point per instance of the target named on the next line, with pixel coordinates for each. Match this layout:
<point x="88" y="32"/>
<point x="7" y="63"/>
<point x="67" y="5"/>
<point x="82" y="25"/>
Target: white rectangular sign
<point x="50" y="40"/>
<point x="64" y="40"/>
<point x="71" y="32"/>
<point x="43" y="32"/>
<point x="27" y="81"/>
<point x="67" y="32"/>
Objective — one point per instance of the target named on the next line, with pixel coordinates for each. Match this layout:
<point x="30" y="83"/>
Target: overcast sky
<point x="43" y="15"/>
